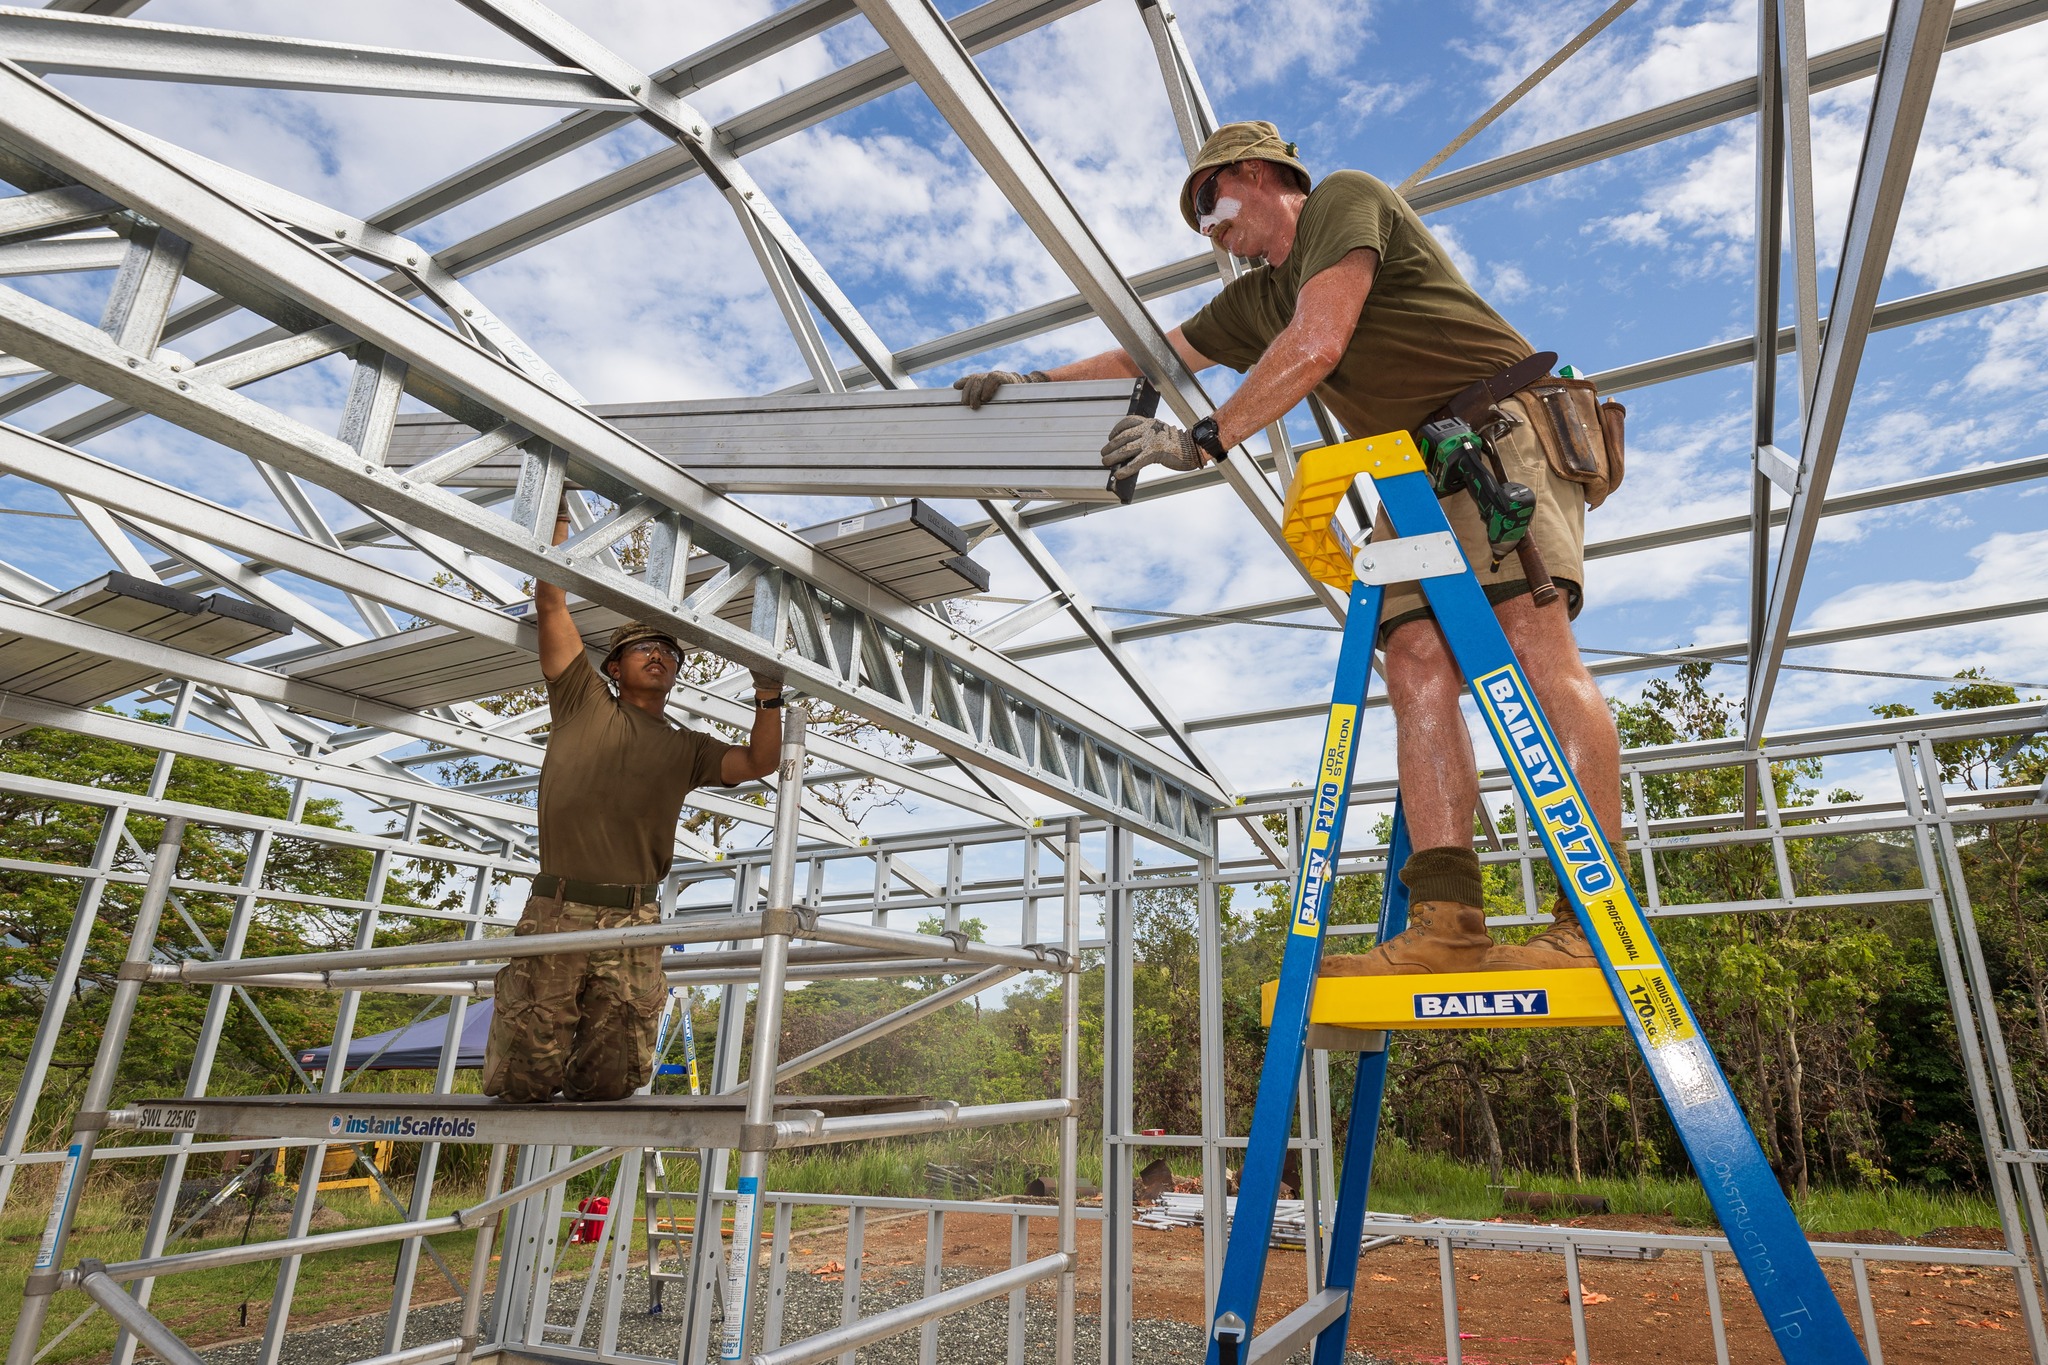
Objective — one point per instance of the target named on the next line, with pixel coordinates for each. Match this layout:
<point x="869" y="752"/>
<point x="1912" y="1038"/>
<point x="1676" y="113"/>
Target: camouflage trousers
<point x="580" y="1023"/>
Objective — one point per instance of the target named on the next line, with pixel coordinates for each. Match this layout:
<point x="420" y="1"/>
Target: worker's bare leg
<point x="1440" y="788"/>
<point x="1439" y="792"/>
<point x="1571" y="701"/>
<point x="1439" y="780"/>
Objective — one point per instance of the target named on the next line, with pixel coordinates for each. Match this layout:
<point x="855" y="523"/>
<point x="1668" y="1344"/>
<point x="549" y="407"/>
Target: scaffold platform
<point x="701" y="1121"/>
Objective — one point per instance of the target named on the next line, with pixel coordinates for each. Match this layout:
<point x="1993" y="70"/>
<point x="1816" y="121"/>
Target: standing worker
<point x="611" y="788"/>
<point x="1354" y="300"/>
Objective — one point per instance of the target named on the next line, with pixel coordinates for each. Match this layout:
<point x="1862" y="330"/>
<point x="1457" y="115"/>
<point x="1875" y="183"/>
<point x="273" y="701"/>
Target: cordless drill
<point x="1456" y="457"/>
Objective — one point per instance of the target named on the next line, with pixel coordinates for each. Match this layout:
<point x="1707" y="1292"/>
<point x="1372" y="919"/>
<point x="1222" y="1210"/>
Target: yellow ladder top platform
<point x="1320" y="482"/>
<point x="1570" y="997"/>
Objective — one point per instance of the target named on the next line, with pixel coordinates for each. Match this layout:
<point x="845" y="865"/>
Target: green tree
<point x="37" y="910"/>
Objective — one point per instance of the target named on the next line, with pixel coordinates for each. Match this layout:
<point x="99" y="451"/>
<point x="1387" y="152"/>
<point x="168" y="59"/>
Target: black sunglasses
<point x="1205" y="197"/>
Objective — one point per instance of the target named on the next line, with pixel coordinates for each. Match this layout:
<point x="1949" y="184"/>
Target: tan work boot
<point x="1446" y="928"/>
<point x="1442" y="936"/>
<point x="1563" y="944"/>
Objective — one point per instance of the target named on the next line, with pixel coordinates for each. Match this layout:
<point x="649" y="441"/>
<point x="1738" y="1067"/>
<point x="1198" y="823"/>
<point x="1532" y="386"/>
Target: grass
<point x="1003" y="1161"/>
<point x="207" y="1307"/>
<point x="1411" y="1182"/>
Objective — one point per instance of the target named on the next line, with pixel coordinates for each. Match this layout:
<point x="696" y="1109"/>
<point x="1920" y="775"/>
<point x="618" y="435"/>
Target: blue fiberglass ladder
<point x="1634" y="985"/>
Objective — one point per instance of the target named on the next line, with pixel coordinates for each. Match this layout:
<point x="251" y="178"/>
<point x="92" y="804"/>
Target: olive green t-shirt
<point x="613" y="783"/>
<point x="1423" y="335"/>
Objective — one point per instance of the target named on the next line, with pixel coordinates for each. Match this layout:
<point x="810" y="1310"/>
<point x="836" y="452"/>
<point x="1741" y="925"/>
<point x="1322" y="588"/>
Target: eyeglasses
<point x="1205" y="197"/>
<point x="652" y="647"/>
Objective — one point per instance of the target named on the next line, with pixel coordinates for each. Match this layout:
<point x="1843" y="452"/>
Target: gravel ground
<point x="979" y="1334"/>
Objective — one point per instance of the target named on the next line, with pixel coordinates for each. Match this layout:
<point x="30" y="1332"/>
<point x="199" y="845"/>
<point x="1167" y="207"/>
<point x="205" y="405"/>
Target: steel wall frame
<point x="259" y="253"/>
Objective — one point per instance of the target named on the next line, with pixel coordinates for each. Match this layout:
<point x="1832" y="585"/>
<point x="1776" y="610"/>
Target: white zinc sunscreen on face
<point x="1226" y="209"/>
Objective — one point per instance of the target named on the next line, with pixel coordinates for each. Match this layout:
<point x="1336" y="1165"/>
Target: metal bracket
<point x="766" y="1137"/>
<point x="1435" y="555"/>
<point x="135" y="971"/>
<point x="43" y="1282"/>
<point x="1059" y="957"/>
<point x="788" y="923"/>
<point x="89" y="1121"/>
<point x="1780" y="468"/>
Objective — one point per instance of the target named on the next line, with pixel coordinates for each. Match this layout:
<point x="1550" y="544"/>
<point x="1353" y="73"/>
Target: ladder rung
<point x="1286" y="1336"/>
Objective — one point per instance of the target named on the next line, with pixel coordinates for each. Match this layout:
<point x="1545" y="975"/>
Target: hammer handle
<point x="1540" y="586"/>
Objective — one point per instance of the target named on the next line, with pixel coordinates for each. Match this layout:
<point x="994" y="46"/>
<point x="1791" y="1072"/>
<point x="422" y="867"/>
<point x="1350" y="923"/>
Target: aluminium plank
<point x="217" y="626"/>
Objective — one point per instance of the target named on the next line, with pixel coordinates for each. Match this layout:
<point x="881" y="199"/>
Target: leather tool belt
<point x="596" y="893"/>
<point x="1473" y="405"/>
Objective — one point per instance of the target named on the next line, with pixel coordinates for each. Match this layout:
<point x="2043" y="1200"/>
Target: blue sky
<point x="1632" y="258"/>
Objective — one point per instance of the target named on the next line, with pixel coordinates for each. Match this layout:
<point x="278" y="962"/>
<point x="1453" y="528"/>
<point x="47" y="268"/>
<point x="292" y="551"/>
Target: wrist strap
<point x="1209" y="439"/>
<point x="773" y="703"/>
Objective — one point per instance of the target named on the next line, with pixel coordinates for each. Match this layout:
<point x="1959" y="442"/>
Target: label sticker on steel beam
<point x="400" y="1126"/>
<point x="162" y="1119"/>
<point x="1321" y="860"/>
<point x="60" y="1211"/>
<point x="740" y="1268"/>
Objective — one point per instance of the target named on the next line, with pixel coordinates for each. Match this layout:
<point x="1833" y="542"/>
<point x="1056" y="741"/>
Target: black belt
<point x="1473" y="404"/>
<point x="596" y="893"/>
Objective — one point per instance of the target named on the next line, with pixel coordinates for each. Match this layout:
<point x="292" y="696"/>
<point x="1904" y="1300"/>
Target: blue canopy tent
<point x="416" y="1047"/>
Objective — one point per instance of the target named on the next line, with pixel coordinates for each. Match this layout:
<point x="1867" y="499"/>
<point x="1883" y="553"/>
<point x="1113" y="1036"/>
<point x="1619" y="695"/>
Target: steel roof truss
<point x="294" y="448"/>
<point x="1913" y="45"/>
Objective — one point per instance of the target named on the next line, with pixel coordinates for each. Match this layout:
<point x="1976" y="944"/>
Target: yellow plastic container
<point x="1320" y="481"/>
<point x="1572" y="997"/>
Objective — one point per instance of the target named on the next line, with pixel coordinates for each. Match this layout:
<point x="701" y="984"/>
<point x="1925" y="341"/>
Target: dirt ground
<point x="1512" y="1305"/>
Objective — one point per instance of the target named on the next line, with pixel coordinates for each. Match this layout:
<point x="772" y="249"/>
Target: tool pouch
<point x="1580" y="436"/>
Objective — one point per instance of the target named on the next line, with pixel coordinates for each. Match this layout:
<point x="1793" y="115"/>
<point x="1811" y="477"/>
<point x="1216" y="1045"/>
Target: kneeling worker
<point x="611" y="788"/>
<point x="1353" y="299"/>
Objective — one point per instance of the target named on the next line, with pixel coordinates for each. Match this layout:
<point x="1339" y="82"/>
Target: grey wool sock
<point x="1444" y="874"/>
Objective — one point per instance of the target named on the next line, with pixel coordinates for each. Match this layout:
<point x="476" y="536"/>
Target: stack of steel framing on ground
<point x="470" y="493"/>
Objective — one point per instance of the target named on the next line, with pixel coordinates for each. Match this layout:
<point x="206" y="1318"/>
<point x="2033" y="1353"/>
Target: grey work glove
<point x="1135" y="442"/>
<point x="976" y="389"/>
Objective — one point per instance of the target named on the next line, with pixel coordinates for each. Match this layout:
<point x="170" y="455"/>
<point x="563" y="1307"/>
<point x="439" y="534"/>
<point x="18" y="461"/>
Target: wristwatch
<point x="773" y="703"/>
<point x="1205" y="435"/>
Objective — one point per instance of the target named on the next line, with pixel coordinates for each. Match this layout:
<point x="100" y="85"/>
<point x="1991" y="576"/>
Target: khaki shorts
<point x="1558" y="530"/>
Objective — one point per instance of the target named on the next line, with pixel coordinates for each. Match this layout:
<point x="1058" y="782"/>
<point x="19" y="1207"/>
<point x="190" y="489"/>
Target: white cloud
<point x="1510" y="283"/>
<point x="1363" y="99"/>
<point x="1643" y="59"/>
<point x="1240" y="45"/>
<point x="2007" y="566"/>
<point x="2014" y="339"/>
<point x="1985" y="145"/>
